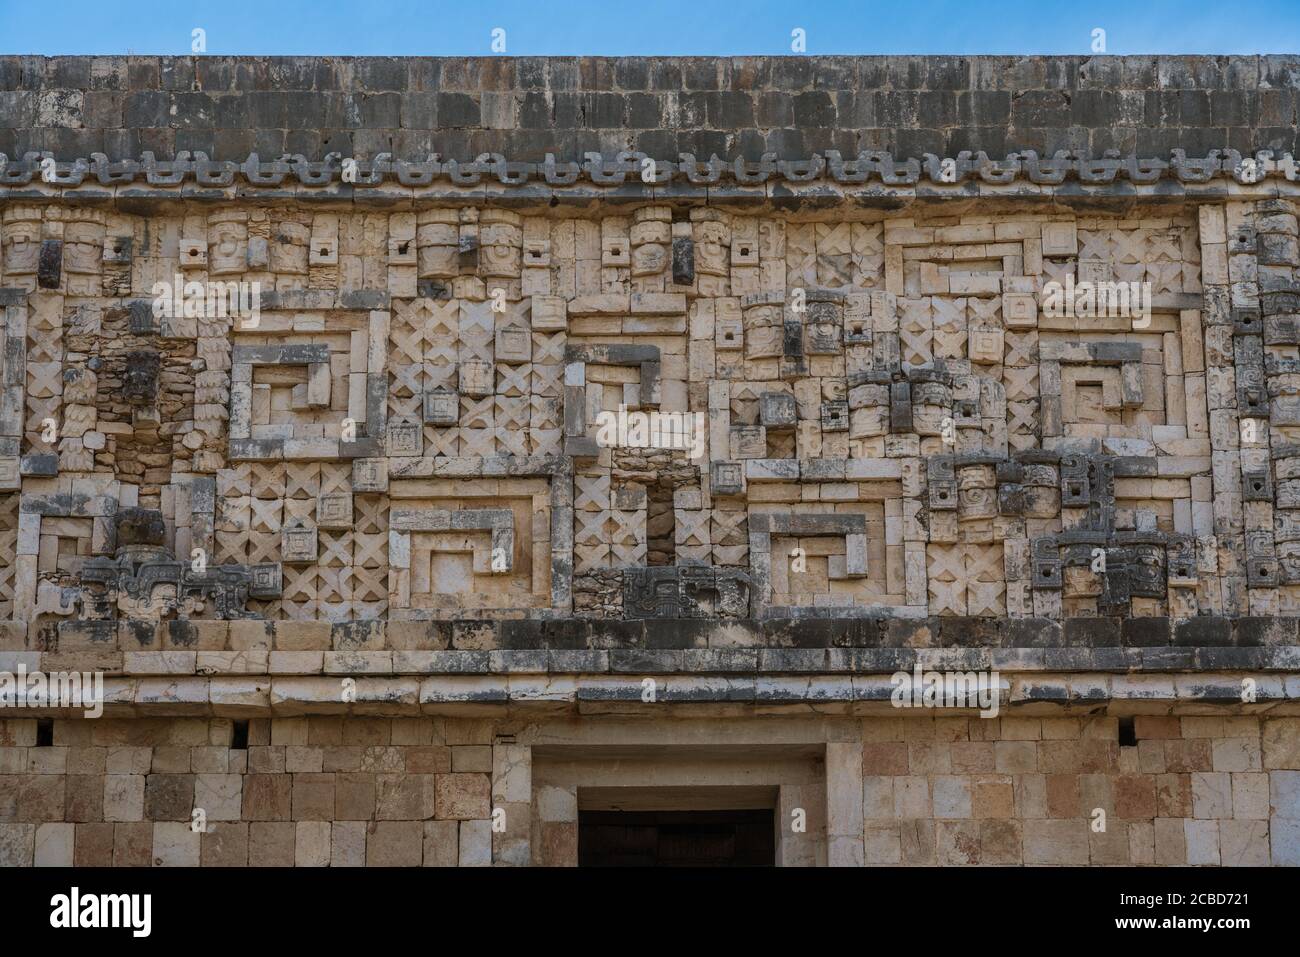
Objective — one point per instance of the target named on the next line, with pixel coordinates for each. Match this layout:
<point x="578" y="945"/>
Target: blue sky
<point x="647" y="27"/>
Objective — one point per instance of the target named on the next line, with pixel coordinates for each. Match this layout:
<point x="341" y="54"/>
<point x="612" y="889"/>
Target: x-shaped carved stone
<point x="1057" y="272"/>
<point x="302" y="480"/>
<point x="985" y="598"/>
<point x="44" y="346"/>
<point x="234" y="513"/>
<point x="591" y="492"/>
<point x="442" y="350"/>
<point x="441" y="442"/>
<point x="545" y="412"/>
<point x="1021" y="382"/>
<point x="477" y="331"/>
<point x="298" y="510"/>
<point x="477" y="442"/>
<point x="833" y="239"/>
<point x="44" y="379"/>
<point x="231" y="547"/>
<point x="1020" y="441"/>
<point x="265" y="515"/>
<point x="263" y="547"/>
<point x="546" y="379"/>
<point x="545" y="441"/>
<point x="513" y="380"/>
<point x="731" y="555"/>
<point x="627" y="554"/>
<point x="692" y="527"/>
<point x="627" y="527"/>
<point x="950" y="343"/>
<point x="947" y="563"/>
<point x="949" y="312"/>
<point x="335" y="548"/>
<point x="334" y="584"/>
<point x="370" y="551"/>
<point x="1129" y="245"/>
<point x="800" y="256"/>
<point x="267" y="480"/>
<point x="590" y="527"/>
<point x="1022" y="417"/>
<point x="441" y="375"/>
<point x="405" y="407"/>
<point x="916" y="344"/>
<point x="984" y="563"/>
<point x="335" y="478"/>
<point x="1165" y="277"/>
<point x="1163" y="246"/>
<point x="869" y="239"/>
<point x="1130" y="272"/>
<point x="917" y="312"/>
<point x="834" y="270"/>
<point x="512" y="441"/>
<point x="1021" y="349"/>
<point x="369" y="584"/>
<point x="408" y="380"/>
<point x="406" y="345"/>
<point x="1094" y="245"/>
<point x="299" y="582"/>
<point x="371" y="515"/>
<point x="511" y="413"/>
<point x="548" y="348"/>
<point x="590" y="557"/>
<point x="988" y="311"/>
<point x="301" y="610"/>
<point x="729" y="528"/>
<point x="947" y="597"/>
<point x="477" y="413"/>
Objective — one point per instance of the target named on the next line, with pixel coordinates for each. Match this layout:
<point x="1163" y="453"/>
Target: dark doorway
<point x="676" y="839"/>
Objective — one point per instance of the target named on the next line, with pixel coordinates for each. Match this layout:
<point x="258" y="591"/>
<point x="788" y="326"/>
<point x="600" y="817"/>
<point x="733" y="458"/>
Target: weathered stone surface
<point x="725" y="450"/>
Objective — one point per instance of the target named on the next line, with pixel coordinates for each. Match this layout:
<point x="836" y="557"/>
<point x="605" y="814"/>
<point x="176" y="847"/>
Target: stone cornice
<point x="1027" y="691"/>
<point x="630" y="175"/>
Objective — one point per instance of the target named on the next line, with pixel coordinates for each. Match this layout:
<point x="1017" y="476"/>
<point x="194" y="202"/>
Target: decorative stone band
<point x="1118" y="642"/>
<point x="743" y="681"/>
<point x="635" y="169"/>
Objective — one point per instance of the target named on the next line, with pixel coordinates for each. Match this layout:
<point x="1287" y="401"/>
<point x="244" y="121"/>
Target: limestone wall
<point x="402" y="442"/>
<point x="525" y="107"/>
<point x="347" y="792"/>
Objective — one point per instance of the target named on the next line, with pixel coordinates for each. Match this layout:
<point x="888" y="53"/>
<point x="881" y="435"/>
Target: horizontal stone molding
<point x="1029" y="692"/>
<point x="106" y="645"/>
<point x="719" y="660"/>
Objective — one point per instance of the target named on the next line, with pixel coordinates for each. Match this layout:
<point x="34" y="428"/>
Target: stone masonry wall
<point x="345" y="792"/>
<point x="527" y="106"/>
<point x="325" y="387"/>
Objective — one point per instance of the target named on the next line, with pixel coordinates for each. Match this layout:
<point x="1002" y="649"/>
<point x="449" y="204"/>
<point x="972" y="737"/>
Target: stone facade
<point x="348" y="792"/>
<point x="312" y="459"/>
